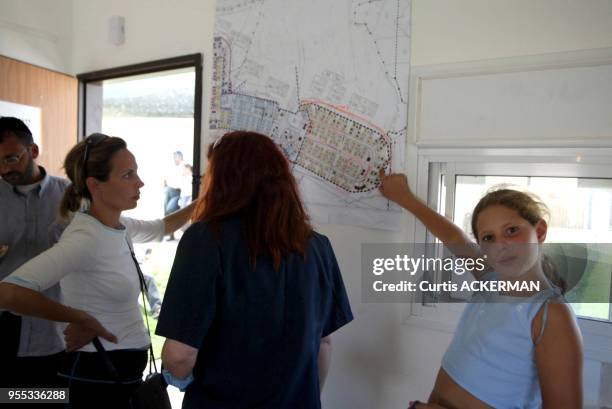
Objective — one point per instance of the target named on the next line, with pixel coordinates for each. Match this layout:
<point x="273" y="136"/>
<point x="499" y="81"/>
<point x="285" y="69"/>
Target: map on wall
<point x="328" y="82"/>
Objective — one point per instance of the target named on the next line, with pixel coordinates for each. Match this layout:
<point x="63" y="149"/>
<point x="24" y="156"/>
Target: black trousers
<point x="10" y="330"/>
<point x="91" y="384"/>
<point x="25" y="372"/>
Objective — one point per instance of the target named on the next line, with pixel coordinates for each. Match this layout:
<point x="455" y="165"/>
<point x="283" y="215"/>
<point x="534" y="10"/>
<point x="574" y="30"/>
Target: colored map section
<point x="342" y="149"/>
<point x="332" y="143"/>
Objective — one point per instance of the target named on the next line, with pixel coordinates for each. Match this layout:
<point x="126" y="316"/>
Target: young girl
<point x="512" y="353"/>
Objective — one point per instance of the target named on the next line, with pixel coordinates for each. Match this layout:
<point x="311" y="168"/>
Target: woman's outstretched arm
<point x="178" y="219"/>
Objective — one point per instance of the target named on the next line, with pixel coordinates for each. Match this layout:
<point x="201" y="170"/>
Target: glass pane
<point x="580" y="212"/>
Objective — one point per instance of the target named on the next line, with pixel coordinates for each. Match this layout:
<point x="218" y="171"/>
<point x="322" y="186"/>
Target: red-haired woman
<point x="254" y="292"/>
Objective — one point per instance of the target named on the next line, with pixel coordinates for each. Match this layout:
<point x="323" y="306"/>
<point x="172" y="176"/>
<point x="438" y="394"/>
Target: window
<point x="575" y="184"/>
<point x="579" y="201"/>
<point x="579" y="213"/>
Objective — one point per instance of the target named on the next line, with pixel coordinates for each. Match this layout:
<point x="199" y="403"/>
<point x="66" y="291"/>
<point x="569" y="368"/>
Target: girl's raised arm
<point x="395" y="188"/>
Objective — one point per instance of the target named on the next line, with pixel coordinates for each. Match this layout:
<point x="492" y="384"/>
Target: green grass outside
<point x="595" y="285"/>
<point x="158" y="265"/>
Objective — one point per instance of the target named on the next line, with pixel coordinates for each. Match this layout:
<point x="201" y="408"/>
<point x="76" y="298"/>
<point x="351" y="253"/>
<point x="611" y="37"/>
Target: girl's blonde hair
<point x="531" y="208"/>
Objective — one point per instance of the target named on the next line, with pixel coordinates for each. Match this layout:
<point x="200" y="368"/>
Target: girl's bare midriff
<point x="450" y="395"/>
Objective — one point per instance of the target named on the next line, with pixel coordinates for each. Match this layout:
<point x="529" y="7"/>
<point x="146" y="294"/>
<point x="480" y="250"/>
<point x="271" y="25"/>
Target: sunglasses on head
<point x="90" y="142"/>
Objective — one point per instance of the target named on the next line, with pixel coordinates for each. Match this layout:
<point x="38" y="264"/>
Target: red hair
<point x="249" y="175"/>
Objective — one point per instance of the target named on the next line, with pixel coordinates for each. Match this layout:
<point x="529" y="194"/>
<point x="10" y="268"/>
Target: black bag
<point x="152" y="393"/>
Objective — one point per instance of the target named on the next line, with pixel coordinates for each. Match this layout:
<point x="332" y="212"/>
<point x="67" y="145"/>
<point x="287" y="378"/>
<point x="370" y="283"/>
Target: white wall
<point x="38" y="32"/>
<point x="155" y="29"/>
<point x="445" y="31"/>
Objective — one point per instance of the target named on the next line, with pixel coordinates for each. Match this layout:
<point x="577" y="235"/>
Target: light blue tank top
<point x="492" y="353"/>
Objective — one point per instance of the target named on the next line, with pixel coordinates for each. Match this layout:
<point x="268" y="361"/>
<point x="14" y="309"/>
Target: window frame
<point x="433" y="163"/>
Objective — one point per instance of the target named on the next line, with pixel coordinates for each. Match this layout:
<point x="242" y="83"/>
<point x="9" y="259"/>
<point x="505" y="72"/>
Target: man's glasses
<point x="13" y="159"/>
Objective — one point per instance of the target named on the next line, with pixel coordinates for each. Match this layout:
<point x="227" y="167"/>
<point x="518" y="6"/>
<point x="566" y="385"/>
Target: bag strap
<point x="143" y="289"/>
<point x="110" y="367"/>
<point x="100" y="348"/>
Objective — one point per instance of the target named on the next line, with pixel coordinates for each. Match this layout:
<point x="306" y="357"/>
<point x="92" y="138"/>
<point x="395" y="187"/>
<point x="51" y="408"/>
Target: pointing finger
<point x="381" y="173"/>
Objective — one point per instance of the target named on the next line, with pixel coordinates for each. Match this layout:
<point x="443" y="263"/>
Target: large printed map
<point x="327" y="80"/>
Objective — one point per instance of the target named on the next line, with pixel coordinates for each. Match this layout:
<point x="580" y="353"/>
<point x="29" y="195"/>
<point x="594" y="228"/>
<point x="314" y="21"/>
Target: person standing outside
<point x="172" y="186"/>
<point x="186" y="185"/>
